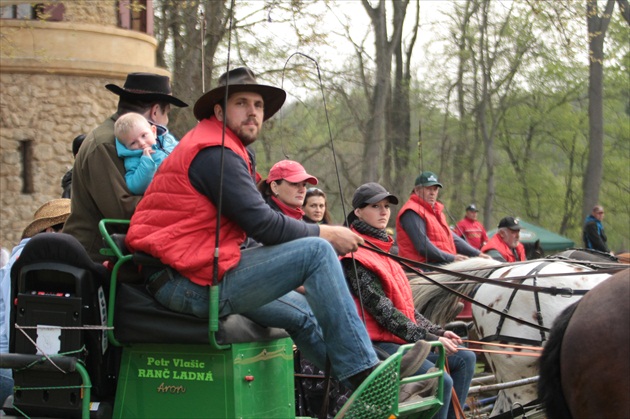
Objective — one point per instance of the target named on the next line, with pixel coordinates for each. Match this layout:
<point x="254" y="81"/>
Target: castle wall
<point x="52" y="78"/>
<point x="50" y="111"/>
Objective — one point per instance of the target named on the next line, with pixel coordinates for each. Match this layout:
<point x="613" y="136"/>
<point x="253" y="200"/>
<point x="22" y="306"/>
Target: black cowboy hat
<point x="240" y="79"/>
<point x="146" y="87"/>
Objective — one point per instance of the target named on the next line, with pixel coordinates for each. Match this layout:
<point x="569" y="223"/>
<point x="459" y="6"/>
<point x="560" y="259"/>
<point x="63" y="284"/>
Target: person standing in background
<point x="593" y="234"/>
<point x="470" y="229"/>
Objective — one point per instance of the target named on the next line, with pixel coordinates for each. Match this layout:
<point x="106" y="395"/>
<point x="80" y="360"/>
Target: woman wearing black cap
<point x="390" y="315"/>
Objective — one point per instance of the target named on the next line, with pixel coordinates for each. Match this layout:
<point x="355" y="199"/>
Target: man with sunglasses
<point x="593" y="234"/>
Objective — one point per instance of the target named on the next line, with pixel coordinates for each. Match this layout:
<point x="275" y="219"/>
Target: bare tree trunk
<point x="375" y="135"/>
<point x="624" y="8"/>
<point x="462" y="163"/>
<point x="180" y="23"/>
<point x="597" y="27"/>
<point x="483" y="108"/>
<point x="398" y="147"/>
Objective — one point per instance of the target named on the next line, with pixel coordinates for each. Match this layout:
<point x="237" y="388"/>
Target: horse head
<point x="534" y="250"/>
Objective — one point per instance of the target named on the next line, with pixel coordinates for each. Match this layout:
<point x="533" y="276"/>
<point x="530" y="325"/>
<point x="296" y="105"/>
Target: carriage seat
<point x="139" y="318"/>
<point x="59" y="307"/>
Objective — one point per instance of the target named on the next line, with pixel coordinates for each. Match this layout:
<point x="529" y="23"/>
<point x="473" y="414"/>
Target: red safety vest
<point x="438" y="231"/>
<point x="473" y="232"/>
<point x="395" y="285"/>
<point x="497" y="243"/>
<point x="176" y="223"/>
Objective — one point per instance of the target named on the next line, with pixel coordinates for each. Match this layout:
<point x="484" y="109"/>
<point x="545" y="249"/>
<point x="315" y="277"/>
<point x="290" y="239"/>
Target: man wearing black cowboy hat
<point x="99" y="189"/>
<point x="176" y="221"/>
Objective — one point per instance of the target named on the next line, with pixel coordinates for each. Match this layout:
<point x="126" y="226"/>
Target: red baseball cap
<point x="291" y="171"/>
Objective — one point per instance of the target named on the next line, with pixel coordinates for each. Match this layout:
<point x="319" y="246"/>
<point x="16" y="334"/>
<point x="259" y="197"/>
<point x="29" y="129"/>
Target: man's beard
<point x="244" y="135"/>
<point x="246" y="138"/>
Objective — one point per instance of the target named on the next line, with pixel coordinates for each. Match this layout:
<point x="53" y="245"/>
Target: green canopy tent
<point x="548" y="240"/>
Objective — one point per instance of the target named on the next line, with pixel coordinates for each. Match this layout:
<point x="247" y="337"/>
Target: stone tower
<point x="55" y="60"/>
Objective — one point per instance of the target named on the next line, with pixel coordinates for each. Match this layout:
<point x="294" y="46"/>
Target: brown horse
<point x="584" y="368"/>
<point x="623" y="257"/>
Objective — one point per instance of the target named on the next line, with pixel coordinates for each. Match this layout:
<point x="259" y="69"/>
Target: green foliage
<point x="536" y="109"/>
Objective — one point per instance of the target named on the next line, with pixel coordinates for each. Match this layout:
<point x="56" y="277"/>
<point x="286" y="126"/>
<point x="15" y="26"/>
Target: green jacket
<point x="99" y="189"/>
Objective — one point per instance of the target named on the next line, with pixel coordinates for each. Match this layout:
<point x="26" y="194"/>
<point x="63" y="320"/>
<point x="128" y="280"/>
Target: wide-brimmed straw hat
<point x="51" y="213"/>
<point x="146" y="87"/>
<point x="240" y="79"/>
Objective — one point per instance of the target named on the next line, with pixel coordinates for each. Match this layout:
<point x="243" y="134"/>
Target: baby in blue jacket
<point x="143" y="147"/>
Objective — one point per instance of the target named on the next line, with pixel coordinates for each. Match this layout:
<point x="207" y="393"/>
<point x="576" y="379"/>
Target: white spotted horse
<point x="584" y="368"/>
<point x="513" y="304"/>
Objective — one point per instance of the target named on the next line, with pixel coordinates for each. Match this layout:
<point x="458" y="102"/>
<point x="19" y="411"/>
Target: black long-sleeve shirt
<point x="241" y="201"/>
<point x="412" y="222"/>
<point x="368" y="285"/>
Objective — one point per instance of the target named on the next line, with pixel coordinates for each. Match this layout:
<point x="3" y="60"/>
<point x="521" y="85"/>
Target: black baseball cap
<point x="472" y="207"/>
<point x="369" y="193"/>
<point x="510" y="222"/>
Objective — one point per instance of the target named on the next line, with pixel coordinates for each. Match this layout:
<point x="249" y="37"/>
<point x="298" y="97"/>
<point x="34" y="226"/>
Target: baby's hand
<point x="147" y="151"/>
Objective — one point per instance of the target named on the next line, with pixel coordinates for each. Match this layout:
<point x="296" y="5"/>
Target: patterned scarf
<point x="368" y="230"/>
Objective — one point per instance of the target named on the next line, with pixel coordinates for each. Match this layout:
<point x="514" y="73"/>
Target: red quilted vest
<point x="394" y="283"/>
<point x="497" y="243"/>
<point x="438" y="231"/>
<point x="177" y="224"/>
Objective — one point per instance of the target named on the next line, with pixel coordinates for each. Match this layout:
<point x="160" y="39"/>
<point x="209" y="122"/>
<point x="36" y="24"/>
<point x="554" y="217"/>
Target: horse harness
<point x="566" y="292"/>
<point x="539" y="318"/>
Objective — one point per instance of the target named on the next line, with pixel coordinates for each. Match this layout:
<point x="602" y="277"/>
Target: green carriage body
<point x="220" y="379"/>
<point x="247" y="380"/>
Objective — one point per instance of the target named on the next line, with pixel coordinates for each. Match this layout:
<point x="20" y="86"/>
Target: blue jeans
<point x="323" y="322"/>
<point x="462" y="369"/>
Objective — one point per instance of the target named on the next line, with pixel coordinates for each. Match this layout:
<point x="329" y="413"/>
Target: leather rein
<point x="534" y="274"/>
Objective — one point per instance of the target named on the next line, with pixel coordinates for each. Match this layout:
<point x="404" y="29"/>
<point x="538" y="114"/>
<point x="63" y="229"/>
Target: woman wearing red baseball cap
<point x="285" y="187"/>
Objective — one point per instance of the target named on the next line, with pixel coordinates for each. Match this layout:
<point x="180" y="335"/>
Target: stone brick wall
<point x="102" y="12"/>
<point x="52" y="90"/>
<point x="50" y="110"/>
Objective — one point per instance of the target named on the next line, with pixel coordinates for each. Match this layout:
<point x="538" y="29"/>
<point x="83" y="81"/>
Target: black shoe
<point x="357" y="379"/>
<point x="413" y="358"/>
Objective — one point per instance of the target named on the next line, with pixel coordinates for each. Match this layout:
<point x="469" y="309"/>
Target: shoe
<point x="414" y="391"/>
<point x="356" y="380"/>
<point x="413" y="358"/>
